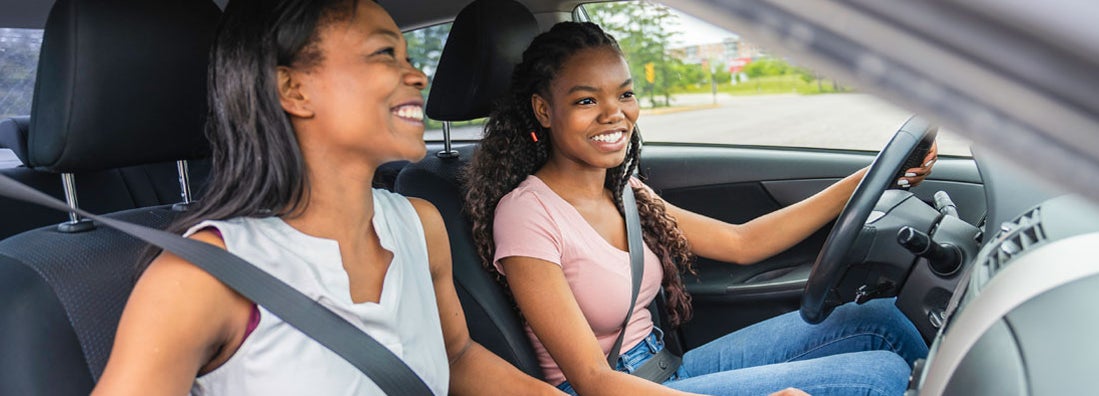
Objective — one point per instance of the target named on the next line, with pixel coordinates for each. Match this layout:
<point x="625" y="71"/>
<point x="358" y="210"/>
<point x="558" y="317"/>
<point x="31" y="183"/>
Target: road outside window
<point x="18" y="65"/>
<point x="702" y="84"/>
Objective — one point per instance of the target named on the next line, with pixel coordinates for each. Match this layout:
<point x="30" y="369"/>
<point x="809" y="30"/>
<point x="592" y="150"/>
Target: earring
<point x="534" y="136"/>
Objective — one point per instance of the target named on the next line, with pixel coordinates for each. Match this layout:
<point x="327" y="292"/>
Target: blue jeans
<point x="859" y="350"/>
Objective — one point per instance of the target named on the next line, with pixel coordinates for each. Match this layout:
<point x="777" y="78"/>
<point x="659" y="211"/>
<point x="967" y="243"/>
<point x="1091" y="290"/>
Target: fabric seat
<point x="486" y="41"/>
<point x="13" y="136"/>
<point x="121" y="83"/>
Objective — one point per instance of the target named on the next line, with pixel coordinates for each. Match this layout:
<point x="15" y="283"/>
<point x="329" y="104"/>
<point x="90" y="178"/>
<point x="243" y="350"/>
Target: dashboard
<point x="1022" y="320"/>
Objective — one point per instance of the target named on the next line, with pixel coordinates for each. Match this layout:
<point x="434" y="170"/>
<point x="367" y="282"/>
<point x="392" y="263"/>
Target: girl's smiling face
<point x="589" y="109"/>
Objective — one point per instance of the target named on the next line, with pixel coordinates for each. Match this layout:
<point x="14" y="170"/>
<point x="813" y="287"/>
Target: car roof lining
<point x="409" y="14"/>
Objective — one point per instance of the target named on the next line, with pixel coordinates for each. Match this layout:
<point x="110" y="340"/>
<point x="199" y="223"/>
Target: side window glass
<point x="425" y="47"/>
<point x="18" y="65"/>
<point x="698" y="83"/>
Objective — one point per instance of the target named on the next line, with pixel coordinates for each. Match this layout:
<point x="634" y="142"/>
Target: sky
<point x="695" y="31"/>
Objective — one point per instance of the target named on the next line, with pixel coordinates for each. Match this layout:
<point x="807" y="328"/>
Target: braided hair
<point x="508" y="154"/>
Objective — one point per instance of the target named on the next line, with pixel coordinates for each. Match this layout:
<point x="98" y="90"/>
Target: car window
<point x="18" y="65"/>
<point x="425" y="47"/>
<point x="698" y="83"/>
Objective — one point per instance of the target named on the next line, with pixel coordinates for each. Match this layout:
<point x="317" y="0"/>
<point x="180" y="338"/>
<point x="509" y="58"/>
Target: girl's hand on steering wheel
<point x="914" y="176"/>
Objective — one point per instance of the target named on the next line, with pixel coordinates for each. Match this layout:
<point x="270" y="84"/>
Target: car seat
<point x="102" y="191"/>
<point x="120" y="83"/>
<point x="485" y="43"/>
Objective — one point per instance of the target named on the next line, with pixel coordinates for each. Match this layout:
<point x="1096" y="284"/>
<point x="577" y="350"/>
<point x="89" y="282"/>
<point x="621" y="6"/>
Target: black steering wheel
<point x="820" y="297"/>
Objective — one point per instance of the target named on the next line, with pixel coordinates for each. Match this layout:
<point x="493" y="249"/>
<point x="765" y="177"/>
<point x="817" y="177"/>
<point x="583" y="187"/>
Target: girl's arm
<point x="777" y="231"/>
<point x="176" y="322"/>
<point x="474" y="370"/>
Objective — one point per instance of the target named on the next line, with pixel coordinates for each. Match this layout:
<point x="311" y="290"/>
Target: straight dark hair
<point x="257" y="166"/>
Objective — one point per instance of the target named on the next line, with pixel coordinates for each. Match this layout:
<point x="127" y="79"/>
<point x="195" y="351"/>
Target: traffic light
<point x="650" y="72"/>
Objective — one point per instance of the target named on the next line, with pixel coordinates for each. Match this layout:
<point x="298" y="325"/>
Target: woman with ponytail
<point x="543" y="192"/>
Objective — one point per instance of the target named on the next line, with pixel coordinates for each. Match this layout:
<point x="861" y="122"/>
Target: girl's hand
<point x="913" y="177"/>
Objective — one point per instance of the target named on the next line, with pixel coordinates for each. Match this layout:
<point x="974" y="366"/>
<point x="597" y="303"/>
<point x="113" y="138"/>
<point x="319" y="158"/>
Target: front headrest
<point x="486" y="41"/>
<point x="121" y="82"/>
<point x="13" y="135"/>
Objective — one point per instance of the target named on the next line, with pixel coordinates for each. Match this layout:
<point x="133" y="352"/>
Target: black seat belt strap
<point x="388" y="371"/>
<point x="637" y="264"/>
<point x="664" y="363"/>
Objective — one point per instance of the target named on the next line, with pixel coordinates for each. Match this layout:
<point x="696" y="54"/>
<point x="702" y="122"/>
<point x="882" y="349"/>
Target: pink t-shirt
<point x="533" y="221"/>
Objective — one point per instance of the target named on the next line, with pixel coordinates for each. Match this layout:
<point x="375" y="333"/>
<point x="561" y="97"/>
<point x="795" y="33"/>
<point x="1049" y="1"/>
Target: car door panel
<point x="737" y="184"/>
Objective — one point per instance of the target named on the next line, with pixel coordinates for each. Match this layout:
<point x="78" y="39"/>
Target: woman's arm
<point x="175" y="323"/>
<point x="470" y="363"/>
<point x="777" y="231"/>
<point x="547" y="302"/>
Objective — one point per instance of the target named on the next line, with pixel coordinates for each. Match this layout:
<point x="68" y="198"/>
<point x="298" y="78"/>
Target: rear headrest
<point x="13" y="135"/>
<point x="121" y="82"/>
<point x="486" y="41"/>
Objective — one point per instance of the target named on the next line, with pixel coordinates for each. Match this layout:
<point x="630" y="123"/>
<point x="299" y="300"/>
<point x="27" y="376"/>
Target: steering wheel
<point x="820" y="297"/>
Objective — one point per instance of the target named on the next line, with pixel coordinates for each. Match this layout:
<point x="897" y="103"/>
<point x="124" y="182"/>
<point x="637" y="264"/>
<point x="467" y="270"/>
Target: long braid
<point x="508" y="154"/>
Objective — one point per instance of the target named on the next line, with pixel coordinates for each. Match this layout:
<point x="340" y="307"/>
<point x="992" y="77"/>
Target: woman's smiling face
<point x="590" y="110"/>
<point x="364" y="96"/>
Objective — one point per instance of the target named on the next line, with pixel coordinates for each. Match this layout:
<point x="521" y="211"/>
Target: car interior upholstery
<point x="121" y="112"/>
<point x="114" y="99"/>
<point x="100" y="191"/>
<point x="472" y="74"/>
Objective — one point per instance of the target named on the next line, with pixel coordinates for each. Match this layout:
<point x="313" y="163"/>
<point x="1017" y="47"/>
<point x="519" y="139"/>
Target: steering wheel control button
<point x="944" y="259"/>
<point x="944" y="204"/>
<point x="914" y="240"/>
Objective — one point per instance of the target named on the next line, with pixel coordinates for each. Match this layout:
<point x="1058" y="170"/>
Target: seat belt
<point x="637" y="264"/>
<point x="316" y="321"/>
<point x="664" y="363"/>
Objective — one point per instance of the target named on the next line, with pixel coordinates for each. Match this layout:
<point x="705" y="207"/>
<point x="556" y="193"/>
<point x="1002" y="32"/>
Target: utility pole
<point x="650" y="76"/>
<point x="713" y="82"/>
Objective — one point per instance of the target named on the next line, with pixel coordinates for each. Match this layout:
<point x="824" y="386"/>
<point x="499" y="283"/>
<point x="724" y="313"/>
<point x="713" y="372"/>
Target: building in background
<point x="732" y="52"/>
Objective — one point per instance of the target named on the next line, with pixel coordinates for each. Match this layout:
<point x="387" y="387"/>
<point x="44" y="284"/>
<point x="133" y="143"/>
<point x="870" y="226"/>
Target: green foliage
<point x="767" y="67"/>
<point x="644" y="31"/>
<point x="769" y="85"/>
<point x="763" y="67"/>
<point x="721" y="74"/>
<point x="425" y="46"/>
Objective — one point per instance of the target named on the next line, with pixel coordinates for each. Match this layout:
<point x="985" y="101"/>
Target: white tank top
<point x="277" y="359"/>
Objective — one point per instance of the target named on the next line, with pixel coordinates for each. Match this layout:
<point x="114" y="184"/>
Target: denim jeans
<point x="859" y="350"/>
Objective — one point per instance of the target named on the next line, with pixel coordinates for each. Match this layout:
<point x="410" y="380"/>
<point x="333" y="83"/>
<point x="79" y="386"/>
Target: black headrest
<point x="121" y="82"/>
<point x="485" y="43"/>
<point x="13" y="135"/>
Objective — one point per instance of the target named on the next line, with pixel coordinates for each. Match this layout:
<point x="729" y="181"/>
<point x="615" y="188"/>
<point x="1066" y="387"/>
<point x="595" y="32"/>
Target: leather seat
<point x="486" y="41"/>
<point x="120" y="83"/>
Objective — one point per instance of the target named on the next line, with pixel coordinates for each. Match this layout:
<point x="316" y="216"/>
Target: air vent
<point x="1015" y="238"/>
